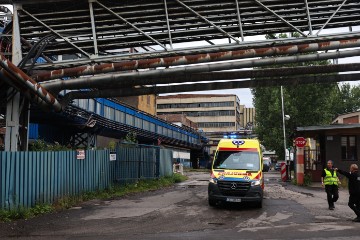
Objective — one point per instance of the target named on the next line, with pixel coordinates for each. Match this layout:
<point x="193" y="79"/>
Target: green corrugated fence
<point x="30" y="178"/>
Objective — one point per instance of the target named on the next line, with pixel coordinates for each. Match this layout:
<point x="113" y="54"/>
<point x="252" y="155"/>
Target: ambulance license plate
<point x="233" y="199"/>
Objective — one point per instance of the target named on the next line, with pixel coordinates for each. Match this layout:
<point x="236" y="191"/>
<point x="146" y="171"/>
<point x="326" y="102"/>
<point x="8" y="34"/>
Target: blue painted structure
<point x="30" y="178"/>
<point x="113" y="119"/>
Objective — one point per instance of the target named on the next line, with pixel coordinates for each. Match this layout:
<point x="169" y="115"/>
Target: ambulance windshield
<point x="237" y="160"/>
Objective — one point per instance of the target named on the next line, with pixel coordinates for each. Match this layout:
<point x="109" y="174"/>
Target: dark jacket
<point x="354" y="181"/>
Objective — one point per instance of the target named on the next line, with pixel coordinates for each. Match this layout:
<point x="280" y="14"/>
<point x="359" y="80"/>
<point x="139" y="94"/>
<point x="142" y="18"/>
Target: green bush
<point x="307" y="179"/>
<point x="41" y="145"/>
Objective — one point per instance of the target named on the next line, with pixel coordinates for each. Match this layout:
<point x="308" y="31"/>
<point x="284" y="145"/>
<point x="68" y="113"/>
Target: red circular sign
<point x="300" y="142"/>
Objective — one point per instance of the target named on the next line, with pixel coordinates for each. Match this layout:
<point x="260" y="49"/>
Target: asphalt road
<point x="182" y="212"/>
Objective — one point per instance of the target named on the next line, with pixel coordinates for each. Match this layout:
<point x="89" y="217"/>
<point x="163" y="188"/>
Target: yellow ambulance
<point x="236" y="173"/>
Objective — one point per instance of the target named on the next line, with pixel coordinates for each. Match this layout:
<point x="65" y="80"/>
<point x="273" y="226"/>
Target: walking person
<point x="330" y="180"/>
<point x="354" y="189"/>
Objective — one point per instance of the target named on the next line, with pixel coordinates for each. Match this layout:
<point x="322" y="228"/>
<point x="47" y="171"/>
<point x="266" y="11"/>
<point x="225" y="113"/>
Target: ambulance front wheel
<point x="212" y="202"/>
<point x="259" y="204"/>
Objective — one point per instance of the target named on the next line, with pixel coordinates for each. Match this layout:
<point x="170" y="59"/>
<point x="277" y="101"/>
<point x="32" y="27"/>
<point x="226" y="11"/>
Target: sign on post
<point x="80" y="154"/>
<point x="300" y="142"/>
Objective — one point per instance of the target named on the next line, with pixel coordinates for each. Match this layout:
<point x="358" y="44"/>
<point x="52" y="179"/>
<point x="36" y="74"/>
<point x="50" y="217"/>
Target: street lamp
<point x="284" y="117"/>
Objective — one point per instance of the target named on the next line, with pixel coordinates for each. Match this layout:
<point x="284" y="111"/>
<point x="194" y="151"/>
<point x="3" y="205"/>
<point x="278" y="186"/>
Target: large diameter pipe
<point x="231" y="75"/>
<point x="29" y="84"/>
<point x="108" y="80"/>
<point x="26" y="93"/>
<point x="199" y="50"/>
<point x="199" y="58"/>
<point x="208" y="86"/>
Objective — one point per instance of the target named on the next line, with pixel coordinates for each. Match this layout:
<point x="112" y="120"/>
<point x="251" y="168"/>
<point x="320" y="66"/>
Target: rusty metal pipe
<point x="31" y="97"/>
<point x="199" y="58"/>
<point x="107" y="80"/>
<point x="208" y="86"/>
<point x="29" y="84"/>
<point x="240" y="74"/>
<point x="199" y="50"/>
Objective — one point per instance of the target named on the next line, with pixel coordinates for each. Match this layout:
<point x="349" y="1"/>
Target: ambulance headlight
<point x="213" y="180"/>
<point x="256" y="183"/>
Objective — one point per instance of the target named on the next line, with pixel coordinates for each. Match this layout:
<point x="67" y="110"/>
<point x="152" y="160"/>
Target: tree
<point x="349" y="100"/>
<point x="307" y="105"/>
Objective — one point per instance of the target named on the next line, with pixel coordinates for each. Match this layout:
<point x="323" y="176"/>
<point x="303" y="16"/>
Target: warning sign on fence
<point x="112" y="156"/>
<point x="80" y="154"/>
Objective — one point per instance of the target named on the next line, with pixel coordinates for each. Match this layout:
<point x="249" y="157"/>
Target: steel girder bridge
<point x="110" y="48"/>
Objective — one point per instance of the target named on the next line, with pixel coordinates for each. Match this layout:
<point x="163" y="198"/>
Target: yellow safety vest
<point x="330" y="179"/>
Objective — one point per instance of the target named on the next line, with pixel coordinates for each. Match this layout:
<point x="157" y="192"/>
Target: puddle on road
<point x="213" y="223"/>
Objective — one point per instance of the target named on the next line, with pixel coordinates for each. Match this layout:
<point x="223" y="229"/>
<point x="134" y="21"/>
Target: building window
<point x="196" y="105"/>
<point x="215" y="124"/>
<point x="348" y="148"/>
<point x="203" y="113"/>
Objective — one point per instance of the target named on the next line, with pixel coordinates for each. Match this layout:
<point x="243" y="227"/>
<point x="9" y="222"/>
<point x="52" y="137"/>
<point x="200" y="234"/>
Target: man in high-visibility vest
<point x="330" y="180"/>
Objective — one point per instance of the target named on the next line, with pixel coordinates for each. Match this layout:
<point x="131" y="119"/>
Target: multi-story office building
<point x="215" y="114"/>
<point x="144" y="103"/>
<point x="211" y="112"/>
<point x="248" y="117"/>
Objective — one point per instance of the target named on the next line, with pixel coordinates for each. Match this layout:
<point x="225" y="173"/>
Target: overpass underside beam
<point x="99" y="28"/>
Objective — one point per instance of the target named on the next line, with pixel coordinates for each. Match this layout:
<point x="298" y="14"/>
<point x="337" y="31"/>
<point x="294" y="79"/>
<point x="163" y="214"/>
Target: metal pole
<point x="283" y="117"/>
<point x="168" y="23"/>
<point x="281" y="18"/>
<point x="331" y="17"/>
<point x="91" y="7"/>
<point x="132" y="25"/>
<point x="283" y="121"/>
<point x="239" y="19"/>
<point x="308" y="17"/>
<point x="13" y="106"/>
<point x="208" y="21"/>
<point x="55" y="32"/>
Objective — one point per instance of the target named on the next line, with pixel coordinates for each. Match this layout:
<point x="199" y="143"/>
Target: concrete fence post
<point x="300" y="165"/>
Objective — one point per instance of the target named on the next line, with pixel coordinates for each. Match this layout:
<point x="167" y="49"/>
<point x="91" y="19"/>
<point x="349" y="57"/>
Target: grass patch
<point x="307" y="180"/>
<point x="114" y="191"/>
<point x="25" y="213"/>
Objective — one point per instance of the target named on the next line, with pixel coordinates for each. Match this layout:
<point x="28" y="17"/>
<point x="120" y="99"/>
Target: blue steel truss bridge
<point x="55" y="52"/>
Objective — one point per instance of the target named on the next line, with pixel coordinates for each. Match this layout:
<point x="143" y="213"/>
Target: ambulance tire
<point x="259" y="204"/>
<point x="212" y="202"/>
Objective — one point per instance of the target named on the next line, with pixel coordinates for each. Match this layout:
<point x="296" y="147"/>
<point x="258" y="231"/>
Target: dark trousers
<point x="354" y="204"/>
<point x="332" y="192"/>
